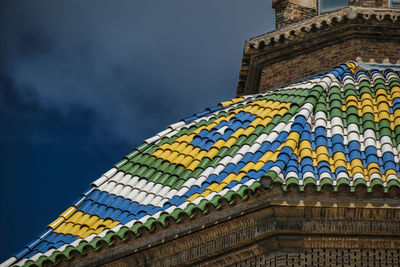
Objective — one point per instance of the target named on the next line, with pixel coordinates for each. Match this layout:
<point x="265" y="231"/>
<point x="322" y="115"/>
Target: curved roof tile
<point x="339" y="128"/>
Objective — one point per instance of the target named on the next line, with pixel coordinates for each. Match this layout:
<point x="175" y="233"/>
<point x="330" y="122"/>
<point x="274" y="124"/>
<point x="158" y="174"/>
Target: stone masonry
<point x="317" y="44"/>
<point x="292" y="11"/>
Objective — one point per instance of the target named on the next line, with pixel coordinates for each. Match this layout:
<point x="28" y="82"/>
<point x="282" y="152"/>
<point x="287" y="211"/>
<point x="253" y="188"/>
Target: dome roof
<point x="338" y="128"/>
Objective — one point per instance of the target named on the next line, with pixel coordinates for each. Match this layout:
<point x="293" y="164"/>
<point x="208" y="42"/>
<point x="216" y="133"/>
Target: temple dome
<point x="337" y="129"/>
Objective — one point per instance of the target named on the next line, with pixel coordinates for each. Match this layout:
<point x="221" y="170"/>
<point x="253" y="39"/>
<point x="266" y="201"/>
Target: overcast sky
<point x="82" y="83"/>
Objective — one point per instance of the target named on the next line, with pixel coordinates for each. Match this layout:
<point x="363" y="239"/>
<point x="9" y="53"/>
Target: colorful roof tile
<point x="338" y="128"/>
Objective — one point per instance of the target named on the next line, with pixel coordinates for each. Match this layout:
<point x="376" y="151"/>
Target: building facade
<point x="301" y="169"/>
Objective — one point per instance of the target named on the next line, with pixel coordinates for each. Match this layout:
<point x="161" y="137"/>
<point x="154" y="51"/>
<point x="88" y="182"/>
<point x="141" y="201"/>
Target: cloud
<point x="137" y="65"/>
<point x="82" y="82"/>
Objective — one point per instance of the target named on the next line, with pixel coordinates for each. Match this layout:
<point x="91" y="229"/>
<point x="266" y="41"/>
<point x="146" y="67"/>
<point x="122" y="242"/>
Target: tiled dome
<point x="341" y="128"/>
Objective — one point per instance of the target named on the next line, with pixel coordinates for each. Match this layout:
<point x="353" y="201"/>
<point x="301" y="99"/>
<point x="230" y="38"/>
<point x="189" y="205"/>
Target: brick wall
<point x="289" y="13"/>
<point x="292" y="11"/>
<point x="323" y="59"/>
<point x="369" y="3"/>
<point x="326" y="258"/>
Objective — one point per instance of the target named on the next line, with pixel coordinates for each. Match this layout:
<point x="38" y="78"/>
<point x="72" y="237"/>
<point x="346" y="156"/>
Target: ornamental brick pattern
<point x="312" y="229"/>
<point x="369" y="3"/>
<point x="326" y="258"/>
<point x="310" y="62"/>
<point x="292" y="11"/>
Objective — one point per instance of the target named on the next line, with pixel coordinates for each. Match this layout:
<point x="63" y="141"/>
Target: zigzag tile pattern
<point x="340" y="127"/>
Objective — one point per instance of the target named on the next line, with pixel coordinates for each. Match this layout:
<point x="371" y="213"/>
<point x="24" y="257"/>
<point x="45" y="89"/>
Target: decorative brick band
<point x="285" y="227"/>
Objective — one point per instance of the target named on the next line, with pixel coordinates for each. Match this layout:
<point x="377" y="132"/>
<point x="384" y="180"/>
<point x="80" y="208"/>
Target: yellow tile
<point x="305" y="153"/>
<point x="266" y="121"/>
<point x="110" y="223"/>
<point x="76" y="217"/>
<point x="366" y="96"/>
<point x="194" y="152"/>
<point x="269" y="156"/>
<point x="372" y="171"/>
<point x="340" y="163"/>
<point x="57" y="222"/>
<point x="239" y="176"/>
<point x="65" y="228"/>
<point x="282" y="112"/>
<point x="390" y="171"/>
<point x="219" y="144"/>
<point x="165" y="154"/>
<point x="381" y="92"/>
<point x="83" y="231"/>
<point x="351" y="65"/>
<point x="220" y="187"/>
<point x="83" y="219"/>
<point x="305" y="144"/>
<point x="188" y="138"/>
<point x="384" y="115"/>
<point x="206" y="192"/>
<point x="258" y="165"/>
<point x="66" y="214"/>
<point x="182" y="146"/>
<point x="179" y="158"/>
<point x="164" y="146"/>
<point x="172" y="156"/>
<point x="395" y="92"/>
<point x="100" y="229"/>
<point x="238" y="133"/>
<point x="322" y="150"/>
<point x="88" y="232"/>
<point x="230" y="142"/>
<point x="368" y="108"/>
<point x="291" y="143"/>
<point x="174" y="145"/>
<point x="226" y="103"/>
<point x="294" y="136"/>
<point x="357" y="166"/>
<point x="351" y="98"/>
<point x="373" y="168"/>
<point x="257" y="121"/>
<point x="229" y="178"/>
<point x="92" y="221"/>
<point x="200" y="155"/>
<point x="339" y="156"/>
<point x="75" y="229"/>
<point x="212" y="186"/>
<point x="193" y="197"/>
<point x="193" y="165"/>
<point x="158" y="153"/>
<point x="373" y="165"/>
<point x="396" y="121"/>
<point x="249" y="130"/>
<point x="383" y="105"/>
<point x="248" y="167"/>
<point x="212" y="152"/>
<point x="187" y="161"/>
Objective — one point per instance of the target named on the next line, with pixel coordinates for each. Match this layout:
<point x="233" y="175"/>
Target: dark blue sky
<point x="84" y="82"/>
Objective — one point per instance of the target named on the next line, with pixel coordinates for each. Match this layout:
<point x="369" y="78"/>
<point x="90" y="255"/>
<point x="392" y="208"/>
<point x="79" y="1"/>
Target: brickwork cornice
<point x="268" y="220"/>
<point x="315" y="23"/>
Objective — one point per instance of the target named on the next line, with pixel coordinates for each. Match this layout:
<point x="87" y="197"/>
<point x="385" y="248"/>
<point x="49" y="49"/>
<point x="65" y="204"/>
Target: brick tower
<point x="313" y="36"/>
